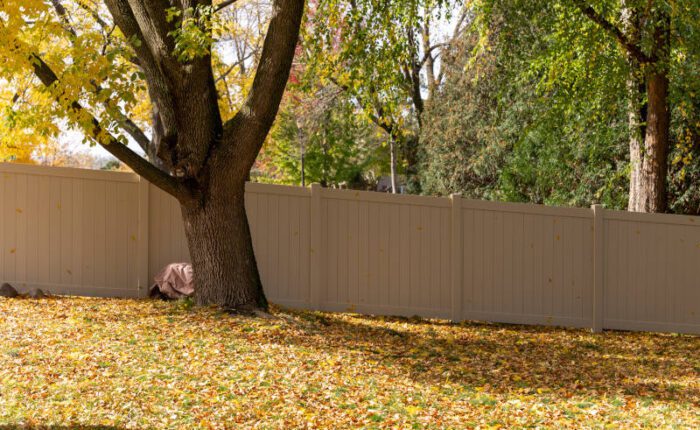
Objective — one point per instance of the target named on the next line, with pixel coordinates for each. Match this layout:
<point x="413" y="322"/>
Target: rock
<point x="36" y="293"/>
<point x="7" y="290"/>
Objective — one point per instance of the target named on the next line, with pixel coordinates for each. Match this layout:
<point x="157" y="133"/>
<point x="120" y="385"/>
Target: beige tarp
<point x="173" y="282"/>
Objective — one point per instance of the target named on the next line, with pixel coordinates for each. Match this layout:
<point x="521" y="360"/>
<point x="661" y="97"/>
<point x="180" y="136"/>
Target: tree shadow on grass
<point x="523" y="359"/>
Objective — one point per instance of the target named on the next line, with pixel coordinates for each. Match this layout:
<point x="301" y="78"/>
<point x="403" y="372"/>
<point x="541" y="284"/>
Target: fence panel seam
<point x="598" y="266"/>
<point x="457" y="248"/>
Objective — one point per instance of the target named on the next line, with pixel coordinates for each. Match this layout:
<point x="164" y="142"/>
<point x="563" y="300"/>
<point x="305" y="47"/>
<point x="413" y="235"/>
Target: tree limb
<point x="233" y="66"/>
<point x="123" y="120"/>
<point x="63" y="17"/>
<point x="160" y="88"/>
<point x="387" y="125"/>
<point x="96" y="16"/>
<point x="224" y="4"/>
<point x="614" y="31"/>
<point x="254" y="119"/>
<point x="122" y="152"/>
<point x="428" y="52"/>
<point x="128" y="125"/>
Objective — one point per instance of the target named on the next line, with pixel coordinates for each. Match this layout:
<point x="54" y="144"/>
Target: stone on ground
<point x="7" y="290"/>
<point x="36" y="293"/>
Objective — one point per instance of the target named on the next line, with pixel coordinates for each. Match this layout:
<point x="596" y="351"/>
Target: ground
<point x="145" y="364"/>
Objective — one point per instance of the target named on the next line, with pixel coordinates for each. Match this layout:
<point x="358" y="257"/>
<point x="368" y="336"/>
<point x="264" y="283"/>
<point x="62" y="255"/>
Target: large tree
<point x="194" y="154"/>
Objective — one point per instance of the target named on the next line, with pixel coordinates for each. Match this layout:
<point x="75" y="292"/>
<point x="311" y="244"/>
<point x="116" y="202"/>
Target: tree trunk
<point x="636" y="117"/>
<point x="649" y="119"/>
<point x="221" y="248"/>
<point x="649" y="163"/>
<point x="392" y="153"/>
<point x="411" y="158"/>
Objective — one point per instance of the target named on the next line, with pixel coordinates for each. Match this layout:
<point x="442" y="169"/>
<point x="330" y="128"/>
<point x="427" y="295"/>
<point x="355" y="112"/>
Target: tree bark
<point x="650" y="162"/>
<point x="637" y="118"/>
<point x="392" y="161"/>
<point x="649" y="116"/>
<point x="649" y="111"/>
<point x="226" y="272"/>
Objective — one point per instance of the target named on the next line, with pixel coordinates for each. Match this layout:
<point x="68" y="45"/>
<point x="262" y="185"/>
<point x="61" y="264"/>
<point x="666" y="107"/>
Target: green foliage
<point x="364" y="46"/>
<point x="373" y="49"/>
<point x="463" y="145"/>
<point x="193" y="35"/>
<point x="535" y="109"/>
<point x="340" y="146"/>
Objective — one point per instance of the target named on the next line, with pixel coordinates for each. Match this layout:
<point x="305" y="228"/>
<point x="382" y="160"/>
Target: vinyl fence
<point x="106" y="234"/>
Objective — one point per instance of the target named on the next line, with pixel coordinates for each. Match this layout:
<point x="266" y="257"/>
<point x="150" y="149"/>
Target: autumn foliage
<point x="141" y="364"/>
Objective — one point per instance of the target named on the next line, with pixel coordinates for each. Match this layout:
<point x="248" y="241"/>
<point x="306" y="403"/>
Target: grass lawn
<point x="144" y="364"/>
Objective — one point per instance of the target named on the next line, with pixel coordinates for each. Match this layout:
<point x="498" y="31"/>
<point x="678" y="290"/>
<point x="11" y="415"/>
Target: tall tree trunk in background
<point x="649" y="162"/>
<point x="648" y="83"/>
<point x="636" y="117"/>
<point x="411" y="155"/>
<point x="411" y="142"/>
<point x="392" y="161"/>
<point x="636" y="107"/>
<point x="650" y="167"/>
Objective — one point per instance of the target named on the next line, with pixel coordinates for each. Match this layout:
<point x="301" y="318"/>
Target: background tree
<point x="197" y="156"/>
<point x="543" y="91"/>
<point x="643" y="31"/>
<point x="340" y="146"/>
<point x="385" y="55"/>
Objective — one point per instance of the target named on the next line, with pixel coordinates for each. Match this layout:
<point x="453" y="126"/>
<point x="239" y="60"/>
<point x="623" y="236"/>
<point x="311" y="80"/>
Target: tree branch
<point x="123" y="120"/>
<point x="128" y="125"/>
<point x="224" y="4"/>
<point x="140" y="165"/>
<point x="63" y="17"/>
<point x="428" y="52"/>
<point x="233" y="66"/>
<point x="255" y="118"/>
<point x="387" y="125"/>
<point x="96" y="16"/>
<point x="614" y="31"/>
<point x="160" y="88"/>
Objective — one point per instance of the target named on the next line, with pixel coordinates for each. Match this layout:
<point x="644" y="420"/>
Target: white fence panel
<point x="167" y="242"/>
<point x="279" y="220"/>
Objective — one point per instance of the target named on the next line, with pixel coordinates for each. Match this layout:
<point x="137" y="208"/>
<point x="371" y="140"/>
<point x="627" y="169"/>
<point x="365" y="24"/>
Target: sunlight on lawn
<point x="143" y="364"/>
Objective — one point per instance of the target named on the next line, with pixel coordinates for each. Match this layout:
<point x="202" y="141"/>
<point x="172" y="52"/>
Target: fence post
<point x="143" y="237"/>
<point x="317" y="253"/>
<point x="457" y="246"/>
<point x="598" y="266"/>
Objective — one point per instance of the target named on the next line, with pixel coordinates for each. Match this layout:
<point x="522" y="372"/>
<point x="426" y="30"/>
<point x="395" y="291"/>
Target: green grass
<point x="140" y="364"/>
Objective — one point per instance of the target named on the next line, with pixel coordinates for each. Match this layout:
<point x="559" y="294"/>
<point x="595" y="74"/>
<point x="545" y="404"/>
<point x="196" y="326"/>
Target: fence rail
<point x="106" y="234"/>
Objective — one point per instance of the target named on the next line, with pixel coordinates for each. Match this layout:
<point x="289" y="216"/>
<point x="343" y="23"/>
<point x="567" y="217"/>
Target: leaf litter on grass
<point x="147" y="364"/>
